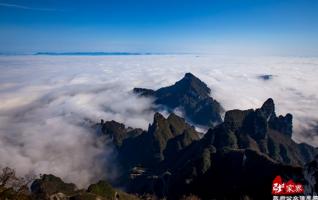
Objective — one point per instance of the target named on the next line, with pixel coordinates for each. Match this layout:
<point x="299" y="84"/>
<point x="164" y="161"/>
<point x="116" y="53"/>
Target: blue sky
<point x="275" y="27"/>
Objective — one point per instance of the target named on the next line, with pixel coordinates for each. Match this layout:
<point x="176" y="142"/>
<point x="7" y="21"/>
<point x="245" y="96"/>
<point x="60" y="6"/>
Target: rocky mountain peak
<point x="283" y="124"/>
<point x="168" y="127"/>
<point x="234" y="119"/>
<point x="189" y="75"/>
<point x="192" y="96"/>
<point x="191" y="84"/>
<point x="158" y="117"/>
<point x="118" y="131"/>
<point x="148" y="148"/>
<point x="159" y="121"/>
<point x="248" y="141"/>
<point x="268" y="108"/>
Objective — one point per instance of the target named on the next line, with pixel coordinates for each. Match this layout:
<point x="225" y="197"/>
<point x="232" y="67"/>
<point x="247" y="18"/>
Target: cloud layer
<point x="49" y="103"/>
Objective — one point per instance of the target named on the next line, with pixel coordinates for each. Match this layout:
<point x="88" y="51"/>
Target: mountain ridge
<point x="237" y="158"/>
<point x="192" y="96"/>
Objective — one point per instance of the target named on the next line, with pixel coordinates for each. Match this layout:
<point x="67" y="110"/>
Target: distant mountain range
<point x="93" y="53"/>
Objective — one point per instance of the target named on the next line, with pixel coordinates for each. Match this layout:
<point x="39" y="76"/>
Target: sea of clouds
<point x="48" y="104"/>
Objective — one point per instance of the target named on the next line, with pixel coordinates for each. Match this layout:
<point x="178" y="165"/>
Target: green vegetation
<point x="102" y="188"/>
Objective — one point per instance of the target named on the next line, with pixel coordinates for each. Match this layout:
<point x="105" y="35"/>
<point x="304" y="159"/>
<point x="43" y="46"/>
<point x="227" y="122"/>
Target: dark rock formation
<point x="268" y="109"/>
<point x="311" y="177"/>
<point x="229" y="174"/>
<point x="283" y="124"/>
<point x="263" y="131"/>
<point x="49" y="185"/>
<point x="117" y="131"/>
<point x="148" y="149"/>
<point x="192" y="96"/>
<point x="265" y="77"/>
<point x="237" y="159"/>
<point x="102" y="188"/>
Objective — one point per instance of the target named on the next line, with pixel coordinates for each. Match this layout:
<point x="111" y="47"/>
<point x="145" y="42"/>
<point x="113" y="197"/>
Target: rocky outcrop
<point x="226" y="163"/>
<point x="118" y="131"/>
<point x="262" y="131"/>
<point x="149" y="148"/>
<point x="232" y="174"/>
<point x="102" y="188"/>
<point x="192" y="96"/>
<point x="283" y="124"/>
<point x="50" y="187"/>
<point x="311" y="177"/>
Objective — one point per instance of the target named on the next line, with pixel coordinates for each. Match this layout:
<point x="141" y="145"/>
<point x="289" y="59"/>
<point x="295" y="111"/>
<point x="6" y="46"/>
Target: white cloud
<point x="10" y="5"/>
<point x="48" y="103"/>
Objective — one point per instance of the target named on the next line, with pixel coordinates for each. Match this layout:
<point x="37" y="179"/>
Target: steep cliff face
<point x="239" y="158"/>
<point x="229" y="174"/>
<point x="311" y="177"/>
<point x="261" y="130"/>
<point x="192" y="96"/>
<point x="164" y="137"/>
<point x="118" y="132"/>
<point x="236" y="159"/>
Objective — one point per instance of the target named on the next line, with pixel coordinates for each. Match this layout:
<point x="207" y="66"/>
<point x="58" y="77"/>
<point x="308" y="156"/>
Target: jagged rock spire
<point x="268" y="108"/>
<point x="283" y="124"/>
